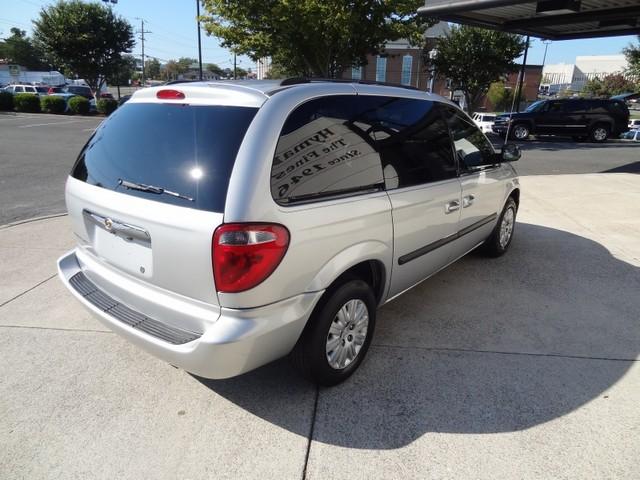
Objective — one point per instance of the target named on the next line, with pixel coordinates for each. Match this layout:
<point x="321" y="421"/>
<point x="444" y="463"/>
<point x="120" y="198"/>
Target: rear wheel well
<point x="515" y="194"/>
<point x="371" y="271"/>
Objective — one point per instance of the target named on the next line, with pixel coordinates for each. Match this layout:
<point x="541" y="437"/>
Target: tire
<point x="496" y="245"/>
<point x="599" y="133"/>
<point x="520" y="131"/>
<point x="310" y="356"/>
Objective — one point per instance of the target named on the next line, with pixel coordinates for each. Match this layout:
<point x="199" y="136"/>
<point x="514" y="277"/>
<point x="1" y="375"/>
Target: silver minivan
<point x="223" y="225"/>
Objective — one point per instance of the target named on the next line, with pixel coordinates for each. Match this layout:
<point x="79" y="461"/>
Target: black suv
<point x="580" y="118"/>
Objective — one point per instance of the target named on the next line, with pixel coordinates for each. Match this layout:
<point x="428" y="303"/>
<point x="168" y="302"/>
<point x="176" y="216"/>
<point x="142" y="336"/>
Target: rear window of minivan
<point x="187" y="151"/>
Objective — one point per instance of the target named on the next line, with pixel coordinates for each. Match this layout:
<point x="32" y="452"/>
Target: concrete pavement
<point x="520" y="367"/>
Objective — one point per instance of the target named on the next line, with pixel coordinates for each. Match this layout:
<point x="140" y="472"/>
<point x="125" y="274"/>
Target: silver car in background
<point x="223" y="225"/>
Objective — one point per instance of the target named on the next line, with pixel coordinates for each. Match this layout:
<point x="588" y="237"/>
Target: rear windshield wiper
<point x="151" y="189"/>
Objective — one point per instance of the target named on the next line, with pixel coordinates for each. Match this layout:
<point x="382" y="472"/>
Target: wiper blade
<point x="151" y="189"/>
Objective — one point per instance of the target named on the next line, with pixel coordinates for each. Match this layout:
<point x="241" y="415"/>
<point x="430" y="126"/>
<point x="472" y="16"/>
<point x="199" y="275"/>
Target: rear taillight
<point x="245" y="254"/>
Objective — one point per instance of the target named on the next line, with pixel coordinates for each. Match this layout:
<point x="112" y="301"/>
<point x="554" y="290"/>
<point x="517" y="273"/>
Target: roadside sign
<point x="14" y="70"/>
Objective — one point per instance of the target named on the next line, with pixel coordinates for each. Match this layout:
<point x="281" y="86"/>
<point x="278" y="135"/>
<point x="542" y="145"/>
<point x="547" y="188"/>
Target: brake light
<point x="245" y="254"/>
<point x="170" y="95"/>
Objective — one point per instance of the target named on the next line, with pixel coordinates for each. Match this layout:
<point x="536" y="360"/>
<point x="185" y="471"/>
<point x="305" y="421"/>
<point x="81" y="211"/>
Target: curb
<point x="30" y="220"/>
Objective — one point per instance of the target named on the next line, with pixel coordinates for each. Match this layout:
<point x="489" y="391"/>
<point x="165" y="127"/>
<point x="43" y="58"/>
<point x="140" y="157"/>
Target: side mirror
<point x="510" y="153"/>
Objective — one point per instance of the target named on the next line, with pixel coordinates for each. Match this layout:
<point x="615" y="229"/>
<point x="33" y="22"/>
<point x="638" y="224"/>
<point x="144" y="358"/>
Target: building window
<point x="381" y="69"/>
<point x="407" y="62"/>
<point x="356" y="73"/>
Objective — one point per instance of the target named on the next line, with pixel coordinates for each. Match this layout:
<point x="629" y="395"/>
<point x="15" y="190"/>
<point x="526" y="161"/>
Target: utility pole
<point x="199" y="41"/>
<point x="142" y="33"/>
<point x="521" y="77"/>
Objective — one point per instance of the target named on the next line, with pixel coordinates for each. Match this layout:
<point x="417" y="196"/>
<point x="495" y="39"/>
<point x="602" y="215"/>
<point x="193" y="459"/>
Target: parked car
<point x="106" y="95"/>
<point x="579" y="118"/>
<point x="634" y="124"/>
<point x="266" y="218"/>
<point x="124" y="99"/>
<point x="633" y="135"/>
<point x="81" y="90"/>
<point x="484" y="121"/>
<point x="36" y="90"/>
<point x="55" y="90"/>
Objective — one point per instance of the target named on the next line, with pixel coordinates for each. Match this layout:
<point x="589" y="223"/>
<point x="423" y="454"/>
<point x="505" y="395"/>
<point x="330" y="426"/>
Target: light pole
<point x="199" y="40"/>
<point x="546" y="45"/>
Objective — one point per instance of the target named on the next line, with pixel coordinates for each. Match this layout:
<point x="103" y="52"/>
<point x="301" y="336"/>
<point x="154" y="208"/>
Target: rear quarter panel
<point x="326" y="237"/>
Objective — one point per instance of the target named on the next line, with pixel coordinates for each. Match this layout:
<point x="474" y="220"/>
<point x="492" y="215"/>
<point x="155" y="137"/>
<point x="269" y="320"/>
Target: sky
<point x="172" y="24"/>
<point x="174" y="33"/>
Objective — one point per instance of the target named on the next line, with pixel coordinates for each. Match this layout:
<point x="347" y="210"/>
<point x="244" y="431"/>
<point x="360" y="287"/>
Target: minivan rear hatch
<point x="149" y="188"/>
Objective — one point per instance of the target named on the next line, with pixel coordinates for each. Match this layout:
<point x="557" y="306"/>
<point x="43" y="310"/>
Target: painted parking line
<point x="45" y="124"/>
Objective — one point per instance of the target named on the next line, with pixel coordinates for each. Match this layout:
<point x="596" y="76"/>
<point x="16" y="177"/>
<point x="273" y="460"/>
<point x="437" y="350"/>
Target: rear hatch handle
<point x="115" y="227"/>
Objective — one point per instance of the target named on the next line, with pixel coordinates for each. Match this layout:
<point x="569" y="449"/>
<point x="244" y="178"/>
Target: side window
<point x="597" y="106"/>
<point x="321" y="154"/>
<point x="412" y="138"/>
<point x="19" y="90"/>
<point x="575" y="106"/>
<point x="471" y="146"/>
<point x="555" y="107"/>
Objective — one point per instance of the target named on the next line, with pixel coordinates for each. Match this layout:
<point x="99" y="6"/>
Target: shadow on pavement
<point x="485" y="346"/>
<point x="633" y="167"/>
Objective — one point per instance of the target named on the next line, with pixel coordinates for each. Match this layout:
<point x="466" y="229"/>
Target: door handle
<point x="452" y="206"/>
<point x="468" y="201"/>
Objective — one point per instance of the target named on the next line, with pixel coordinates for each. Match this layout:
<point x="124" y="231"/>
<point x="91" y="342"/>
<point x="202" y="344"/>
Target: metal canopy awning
<point x="549" y="19"/>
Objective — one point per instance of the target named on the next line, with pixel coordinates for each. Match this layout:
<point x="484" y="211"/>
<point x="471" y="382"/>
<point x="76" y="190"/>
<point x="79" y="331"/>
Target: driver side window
<point x="472" y="147"/>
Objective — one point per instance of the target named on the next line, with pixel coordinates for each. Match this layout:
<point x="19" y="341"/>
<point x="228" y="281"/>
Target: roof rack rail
<point x="300" y="80"/>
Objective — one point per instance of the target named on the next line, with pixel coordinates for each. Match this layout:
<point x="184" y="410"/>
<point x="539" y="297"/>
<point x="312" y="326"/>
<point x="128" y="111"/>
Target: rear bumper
<point x="235" y="342"/>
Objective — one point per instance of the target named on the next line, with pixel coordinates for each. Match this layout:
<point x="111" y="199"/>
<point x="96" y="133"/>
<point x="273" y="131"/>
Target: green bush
<point x="53" y="104"/>
<point x="106" y="105"/>
<point x="6" y="101"/>
<point x="27" y="102"/>
<point x="79" y="105"/>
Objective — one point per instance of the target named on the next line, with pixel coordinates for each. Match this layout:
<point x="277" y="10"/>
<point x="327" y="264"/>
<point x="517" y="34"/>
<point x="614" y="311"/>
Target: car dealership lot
<point x="38" y="151"/>
<point x="520" y="367"/>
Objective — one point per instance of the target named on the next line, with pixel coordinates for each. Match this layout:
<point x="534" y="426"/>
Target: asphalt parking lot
<point x="36" y="155"/>
<point x="524" y="366"/>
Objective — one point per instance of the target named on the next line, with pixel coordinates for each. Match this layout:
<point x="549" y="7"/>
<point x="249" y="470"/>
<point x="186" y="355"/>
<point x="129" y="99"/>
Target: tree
<point x="241" y="72"/>
<point x="123" y="71"/>
<point x="18" y="49"/>
<point x="86" y="38"/>
<point x="500" y="97"/>
<point x="632" y="53"/>
<point x="215" y="69"/>
<point x="184" y="64"/>
<point x="613" y="84"/>
<point x="312" y="37"/>
<point x="171" y="70"/>
<point x="152" y="68"/>
<point x="474" y="57"/>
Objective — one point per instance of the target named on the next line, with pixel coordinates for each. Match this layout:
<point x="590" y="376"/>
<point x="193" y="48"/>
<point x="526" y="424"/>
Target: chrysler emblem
<point x="108" y="224"/>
